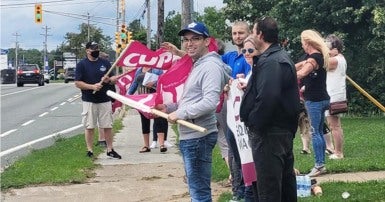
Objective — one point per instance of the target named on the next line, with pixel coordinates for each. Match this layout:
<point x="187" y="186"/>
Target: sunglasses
<point x="249" y="50"/>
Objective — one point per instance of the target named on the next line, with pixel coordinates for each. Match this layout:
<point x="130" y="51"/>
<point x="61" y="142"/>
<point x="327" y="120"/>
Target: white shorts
<point x="97" y="115"/>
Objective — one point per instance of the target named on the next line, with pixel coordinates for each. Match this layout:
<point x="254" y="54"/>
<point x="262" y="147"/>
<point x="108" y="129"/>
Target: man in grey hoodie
<point x="197" y="105"/>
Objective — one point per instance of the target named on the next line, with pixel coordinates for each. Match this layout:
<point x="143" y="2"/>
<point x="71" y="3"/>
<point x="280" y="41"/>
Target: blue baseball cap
<point x="196" y="27"/>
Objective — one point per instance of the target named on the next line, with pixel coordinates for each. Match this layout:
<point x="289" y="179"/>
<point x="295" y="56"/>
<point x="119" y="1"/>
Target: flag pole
<point x="378" y="104"/>
<point x="142" y="107"/>
<point x="115" y="63"/>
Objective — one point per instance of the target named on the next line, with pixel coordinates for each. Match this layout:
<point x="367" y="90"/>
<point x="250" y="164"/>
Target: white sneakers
<point x="336" y="156"/>
<point x="154" y="144"/>
<point x="168" y="144"/>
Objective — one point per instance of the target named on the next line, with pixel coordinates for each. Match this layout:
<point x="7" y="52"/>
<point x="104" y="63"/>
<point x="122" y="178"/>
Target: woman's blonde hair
<point x="250" y="39"/>
<point x="315" y="39"/>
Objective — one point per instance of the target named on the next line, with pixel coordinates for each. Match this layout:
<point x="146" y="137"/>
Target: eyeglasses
<point x="249" y="50"/>
<point x="192" y="40"/>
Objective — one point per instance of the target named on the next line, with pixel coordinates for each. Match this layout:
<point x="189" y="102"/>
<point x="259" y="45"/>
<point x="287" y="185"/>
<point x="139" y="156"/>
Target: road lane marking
<point x="29" y="144"/>
<point x="19" y="91"/>
<point x="63" y="103"/>
<point x="7" y="133"/>
<point x="28" y="122"/>
<point x="74" y="98"/>
<point x="43" y="114"/>
<point x="55" y="108"/>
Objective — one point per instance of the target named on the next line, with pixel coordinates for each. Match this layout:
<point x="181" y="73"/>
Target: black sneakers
<point x="113" y="154"/>
<point x="90" y="154"/>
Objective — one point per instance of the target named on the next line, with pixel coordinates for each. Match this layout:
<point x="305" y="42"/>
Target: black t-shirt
<point x="315" y="81"/>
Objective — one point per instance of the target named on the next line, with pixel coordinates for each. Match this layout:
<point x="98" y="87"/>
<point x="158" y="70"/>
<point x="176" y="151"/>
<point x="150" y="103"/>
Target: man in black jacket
<point x="270" y="109"/>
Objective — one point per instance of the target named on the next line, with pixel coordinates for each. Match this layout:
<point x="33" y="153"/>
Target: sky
<point x="17" y="18"/>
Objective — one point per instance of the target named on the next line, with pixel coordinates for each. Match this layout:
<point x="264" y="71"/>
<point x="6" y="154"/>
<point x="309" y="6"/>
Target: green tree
<point x="139" y="32"/>
<point x="215" y="21"/>
<point x="213" y="18"/>
<point x="30" y="56"/>
<point x="360" y="23"/>
<point x="172" y="25"/>
<point x="75" y="42"/>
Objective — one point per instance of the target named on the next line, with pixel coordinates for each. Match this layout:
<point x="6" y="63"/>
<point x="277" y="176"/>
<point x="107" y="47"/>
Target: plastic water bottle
<point x="307" y="186"/>
<point x="303" y="186"/>
<point x="300" y="185"/>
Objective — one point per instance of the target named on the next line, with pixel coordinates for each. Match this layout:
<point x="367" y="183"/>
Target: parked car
<point x="29" y="74"/>
<point x="8" y="76"/>
<point x="47" y="77"/>
<point x="69" y="74"/>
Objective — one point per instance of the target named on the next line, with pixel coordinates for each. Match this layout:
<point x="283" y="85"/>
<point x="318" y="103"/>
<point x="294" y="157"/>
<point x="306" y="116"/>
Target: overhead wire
<point x="17" y="5"/>
<point x="140" y="11"/>
<point x="82" y="17"/>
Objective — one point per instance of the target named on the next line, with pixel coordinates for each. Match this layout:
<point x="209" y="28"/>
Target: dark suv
<point x="69" y="74"/>
<point x="30" y="74"/>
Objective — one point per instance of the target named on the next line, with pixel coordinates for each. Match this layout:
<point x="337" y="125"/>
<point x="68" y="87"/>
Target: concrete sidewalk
<point x="152" y="176"/>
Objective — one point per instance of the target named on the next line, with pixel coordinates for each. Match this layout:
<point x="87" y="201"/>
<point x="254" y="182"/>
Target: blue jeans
<point x="197" y="158"/>
<point x="316" y="111"/>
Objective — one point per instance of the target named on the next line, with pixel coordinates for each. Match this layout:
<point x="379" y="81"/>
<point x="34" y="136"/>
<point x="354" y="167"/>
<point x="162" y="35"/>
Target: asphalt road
<point x="32" y="116"/>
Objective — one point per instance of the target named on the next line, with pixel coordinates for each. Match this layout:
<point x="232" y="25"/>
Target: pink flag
<point x="123" y="83"/>
<point x="171" y="84"/>
<point x="138" y="55"/>
<point x="169" y="88"/>
<point x="146" y="99"/>
<point x="213" y="46"/>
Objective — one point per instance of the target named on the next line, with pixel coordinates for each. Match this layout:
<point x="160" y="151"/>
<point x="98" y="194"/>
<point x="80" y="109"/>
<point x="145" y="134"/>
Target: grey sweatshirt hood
<point x="201" y="95"/>
<point x="215" y="57"/>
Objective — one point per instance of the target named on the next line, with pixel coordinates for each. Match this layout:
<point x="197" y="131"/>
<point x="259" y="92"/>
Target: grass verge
<point x="64" y="162"/>
<point x="364" y="143"/>
<point x="363" y="150"/>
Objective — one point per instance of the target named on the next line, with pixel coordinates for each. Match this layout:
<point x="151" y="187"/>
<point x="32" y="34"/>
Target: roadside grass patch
<point x="62" y="163"/>
<point x="363" y="150"/>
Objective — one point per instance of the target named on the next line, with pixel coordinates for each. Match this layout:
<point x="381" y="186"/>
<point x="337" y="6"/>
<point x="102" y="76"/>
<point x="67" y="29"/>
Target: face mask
<point x="95" y="54"/>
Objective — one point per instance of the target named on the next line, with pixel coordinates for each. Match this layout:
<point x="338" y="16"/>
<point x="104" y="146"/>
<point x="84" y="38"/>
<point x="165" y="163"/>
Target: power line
<point x="140" y="11"/>
<point x="17" y="5"/>
<point x="82" y="17"/>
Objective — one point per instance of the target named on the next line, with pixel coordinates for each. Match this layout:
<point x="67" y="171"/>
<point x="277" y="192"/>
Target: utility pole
<point x="88" y="26"/>
<point x="148" y="24"/>
<point x="45" y="62"/>
<point x="117" y="30"/>
<point x="160" y="37"/>
<point x="187" y="10"/>
<point x="16" y="50"/>
<point x="120" y="16"/>
<point x="123" y="4"/>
